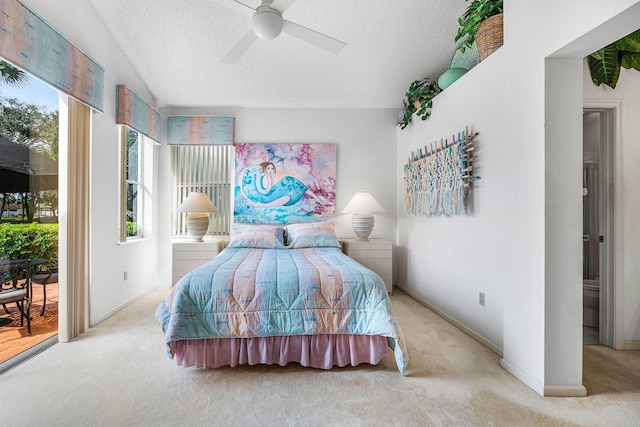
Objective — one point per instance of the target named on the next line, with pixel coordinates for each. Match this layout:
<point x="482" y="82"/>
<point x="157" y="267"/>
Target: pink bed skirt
<point x="316" y="351"/>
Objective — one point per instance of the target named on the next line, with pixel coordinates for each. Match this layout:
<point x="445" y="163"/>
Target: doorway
<point x="599" y="136"/>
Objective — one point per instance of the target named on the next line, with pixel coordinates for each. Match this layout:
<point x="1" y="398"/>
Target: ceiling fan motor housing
<point x="267" y="23"/>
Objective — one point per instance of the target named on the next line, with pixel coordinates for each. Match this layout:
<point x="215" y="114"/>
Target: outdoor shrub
<point x="20" y="241"/>
<point x="132" y="228"/>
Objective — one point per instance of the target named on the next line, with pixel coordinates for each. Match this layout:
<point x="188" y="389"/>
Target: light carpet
<point x="118" y="374"/>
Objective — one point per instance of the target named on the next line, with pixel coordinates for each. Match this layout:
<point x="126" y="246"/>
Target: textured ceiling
<point x="177" y="47"/>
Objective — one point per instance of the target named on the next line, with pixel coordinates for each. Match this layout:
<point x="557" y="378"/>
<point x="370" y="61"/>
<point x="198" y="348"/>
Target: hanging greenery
<point x="418" y="100"/>
<point x="469" y="22"/>
<point x="604" y="64"/>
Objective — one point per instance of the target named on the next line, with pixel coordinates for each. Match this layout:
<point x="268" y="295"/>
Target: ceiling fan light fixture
<point x="267" y="23"/>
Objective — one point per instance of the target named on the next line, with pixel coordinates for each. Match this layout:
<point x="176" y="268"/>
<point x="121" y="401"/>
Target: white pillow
<point x="311" y="235"/>
<point x="257" y="236"/>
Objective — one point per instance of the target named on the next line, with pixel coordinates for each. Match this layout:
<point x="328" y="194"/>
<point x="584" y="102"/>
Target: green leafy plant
<point x="604" y="64"/>
<point x="418" y="100"/>
<point x="21" y="241"/>
<point x="477" y="11"/>
<point x="132" y="228"/>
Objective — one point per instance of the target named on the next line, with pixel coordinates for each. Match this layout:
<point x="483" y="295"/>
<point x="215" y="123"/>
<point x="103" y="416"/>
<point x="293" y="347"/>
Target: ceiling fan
<point x="267" y="23"/>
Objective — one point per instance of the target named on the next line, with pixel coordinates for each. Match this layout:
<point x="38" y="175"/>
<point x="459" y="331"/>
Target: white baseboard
<point x="544" y="390"/>
<point x="565" y="391"/>
<point x="117" y="308"/>
<point x="455" y="322"/>
<point x="630" y="345"/>
<point x="523" y="376"/>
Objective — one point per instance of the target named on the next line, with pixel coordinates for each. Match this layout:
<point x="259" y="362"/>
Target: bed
<point x="261" y="301"/>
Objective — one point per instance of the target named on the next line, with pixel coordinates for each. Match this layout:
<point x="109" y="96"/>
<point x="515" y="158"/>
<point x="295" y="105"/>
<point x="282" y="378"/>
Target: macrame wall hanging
<point x="437" y="177"/>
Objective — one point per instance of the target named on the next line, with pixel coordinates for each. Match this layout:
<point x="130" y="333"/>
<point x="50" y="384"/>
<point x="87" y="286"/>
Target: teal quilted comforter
<point x="248" y="292"/>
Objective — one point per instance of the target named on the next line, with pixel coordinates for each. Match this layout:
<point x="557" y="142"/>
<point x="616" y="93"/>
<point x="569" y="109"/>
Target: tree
<point x="6" y="199"/>
<point x="48" y="133"/>
<point x="12" y="75"/>
<point x="26" y="124"/>
<point x="30" y="125"/>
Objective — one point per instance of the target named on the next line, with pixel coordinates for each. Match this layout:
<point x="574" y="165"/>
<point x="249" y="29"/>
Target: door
<point x="599" y="141"/>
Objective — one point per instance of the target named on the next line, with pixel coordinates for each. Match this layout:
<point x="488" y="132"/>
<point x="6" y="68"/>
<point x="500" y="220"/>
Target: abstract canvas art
<point x="285" y="183"/>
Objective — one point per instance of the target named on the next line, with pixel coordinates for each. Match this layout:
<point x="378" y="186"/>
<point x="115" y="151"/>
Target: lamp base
<point x="362" y="223"/>
<point x="197" y="225"/>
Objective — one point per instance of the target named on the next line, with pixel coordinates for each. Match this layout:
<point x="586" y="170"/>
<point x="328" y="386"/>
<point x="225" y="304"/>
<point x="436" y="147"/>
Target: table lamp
<point x="197" y="206"/>
<point x="361" y="206"/>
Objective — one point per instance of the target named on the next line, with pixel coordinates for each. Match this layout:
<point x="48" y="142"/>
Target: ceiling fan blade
<point x="282" y="5"/>
<point x="315" y="38"/>
<point x="239" y="49"/>
<point x="237" y="6"/>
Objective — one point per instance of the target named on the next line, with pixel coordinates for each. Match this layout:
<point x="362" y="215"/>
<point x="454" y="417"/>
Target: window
<point x="203" y="168"/>
<point x="30" y="205"/>
<point x="132" y="191"/>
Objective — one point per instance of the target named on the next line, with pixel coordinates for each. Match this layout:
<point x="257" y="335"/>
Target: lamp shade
<point x="363" y="201"/>
<point x="197" y="202"/>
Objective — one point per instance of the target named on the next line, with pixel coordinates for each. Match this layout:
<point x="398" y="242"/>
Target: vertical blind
<point x="205" y="168"/>
<point x="74" y="251"/>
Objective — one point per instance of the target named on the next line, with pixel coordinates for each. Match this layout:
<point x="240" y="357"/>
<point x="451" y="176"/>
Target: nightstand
<point x="188" y="255"/>
<point x="376" y="255"/>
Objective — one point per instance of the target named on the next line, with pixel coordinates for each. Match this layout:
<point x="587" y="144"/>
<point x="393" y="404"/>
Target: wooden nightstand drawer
<point x="382" y="267"/>
<point x="188" y="255"/>
<point x="376" y="255"/>
<point x="195" y="255"/>
<point x="365" y="253"/>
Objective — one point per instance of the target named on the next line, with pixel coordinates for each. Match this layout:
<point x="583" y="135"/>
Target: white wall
<point x="449" y="260"/>
<point x="626" y="95"/>
<point x="520" y="244"/>
<point x="366" y="156"/>
<point x="78" y="22"/>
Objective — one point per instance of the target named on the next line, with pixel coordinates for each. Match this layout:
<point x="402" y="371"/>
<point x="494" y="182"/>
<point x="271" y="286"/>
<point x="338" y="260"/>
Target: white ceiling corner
<point x="177" y="48"/>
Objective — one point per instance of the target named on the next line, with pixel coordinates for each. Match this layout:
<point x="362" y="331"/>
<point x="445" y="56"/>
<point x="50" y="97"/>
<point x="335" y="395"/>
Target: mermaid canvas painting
<point x="284" y="183"/>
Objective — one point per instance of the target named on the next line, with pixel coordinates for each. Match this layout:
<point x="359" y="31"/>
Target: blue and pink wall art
<point x="285" y="183"/>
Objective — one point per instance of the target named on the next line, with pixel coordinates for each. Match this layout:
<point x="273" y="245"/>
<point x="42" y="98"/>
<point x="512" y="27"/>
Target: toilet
<point x="591" y="302"/>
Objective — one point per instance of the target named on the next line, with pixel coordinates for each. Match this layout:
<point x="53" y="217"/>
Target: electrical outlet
<point x="125" y="275"/>
<point x="481" y="299"/>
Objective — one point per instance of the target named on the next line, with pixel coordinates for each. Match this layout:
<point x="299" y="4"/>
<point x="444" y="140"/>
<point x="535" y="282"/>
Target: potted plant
<point x="482" y="22"/>
<point x="418" y="100"/>
<point x="604" y="64"/>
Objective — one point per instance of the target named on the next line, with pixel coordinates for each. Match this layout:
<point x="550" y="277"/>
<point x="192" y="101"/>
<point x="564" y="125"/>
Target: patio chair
<point x="4" y="279"/>
<point x="46" y="275"/>
<point x="16" y="288"/>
